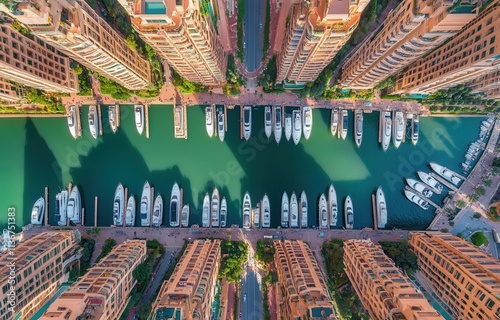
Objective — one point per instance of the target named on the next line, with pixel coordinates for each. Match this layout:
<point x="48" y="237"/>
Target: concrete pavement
<point x="251" y="305"/>
<point x="253" y="33"/>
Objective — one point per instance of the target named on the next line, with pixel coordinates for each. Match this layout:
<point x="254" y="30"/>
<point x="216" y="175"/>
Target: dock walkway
<point x="180" y="122"/>
<point x="423" y="197"/>
<point x="443" y="181"/>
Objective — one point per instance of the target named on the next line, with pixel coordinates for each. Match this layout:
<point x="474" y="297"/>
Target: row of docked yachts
<point x="68" y="206"/>
<point x="477" y="146"/>
<point x="214" y="211"/>
<point x="394" y="125"/>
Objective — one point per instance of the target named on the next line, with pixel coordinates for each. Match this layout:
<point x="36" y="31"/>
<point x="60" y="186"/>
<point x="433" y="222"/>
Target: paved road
<point x="162" y="268"/>
<point x="251" y="307"/>
<point x="253" y="34"/>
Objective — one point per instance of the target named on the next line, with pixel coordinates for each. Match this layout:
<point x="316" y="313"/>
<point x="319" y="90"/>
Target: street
<point x="251" y="306"/>
<point x="253" y="33"/>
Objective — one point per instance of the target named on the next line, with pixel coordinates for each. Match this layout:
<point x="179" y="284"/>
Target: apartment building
<point x="302" y="286"/>
<point x="314" y="32"/>
<point x="183" y="33"/>
<point x="75" y="29"/>
<point x="386" y="293"/>
<point x="102" y="293"/>
<point x="488" y="84"/>
<point x="32" y="275"/>
<point x="464" y="277"/>
<point x="34" y="63"/>
<point x="190" y="291"/>
<point x="9" y="92"/>
<point x="412" y="29"/>
<point x="474" y="51"/>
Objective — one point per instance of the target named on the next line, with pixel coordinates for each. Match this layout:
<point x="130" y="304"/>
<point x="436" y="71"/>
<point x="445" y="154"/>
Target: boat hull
<point x="74" y="209"/>
<point x="358" y="127"/>
<point x="62" y="203"/>
<point x="348" y="213"/>
<point x="322" y="213"/>
<point x="277" y="124"/>
<point x="332" y="206"/>
<point x="139" y="118"/>
<point x="223" y="213"/>
<point x="334" y="122"/>
<point x="146" y="206"/>
<point x="113" y="118"/>
<point x="386" y="130"/>
<point x="72" y="121"/>
<point x="158" y="212"/>
<point x="247" y="122"/>
<point x="345" y="123"/>
<point x="130" y="214"/>
<point x="307" y="119"/>
<point x="288" y="126"/>
<point x="175" y="198"/>
<point x="247" y="205"/>
<point x="205" y="217"/>
<point x="268" y="123"/>
<point x="266" y="212"/>
<point x="215" y="209"/>
<point x="398" y="127"/>
<point x="38" y="211"/>
<point x="381" y="208"/>
<point x="285" y="211"/>
<point x="93" y="122"/>
<point x="209" y="121"/>
<point x="221" y="130"/>
<point x="303" y="210"/>
<point x="297" y="126"/>
<point x="185" y="216"/>
<point x="118" y="203"/>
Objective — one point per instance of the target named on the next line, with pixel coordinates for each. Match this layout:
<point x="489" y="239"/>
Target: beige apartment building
<point x="33" y="274"/>
<point x="183" y="34"/>
<point x="386" y="293"/>
<point x="474" y="51"/>
<point x="314" y="32"/>
<point x="34" y="63"/>
<point x="190" y="291"/>
<point x="412" y="29"/>
<point x="75" y="29"/>
<point x="488" y="83"/>
<point x="464" y="277"/>
<point x="102" y="293"/>
<point x="302" y="291"/>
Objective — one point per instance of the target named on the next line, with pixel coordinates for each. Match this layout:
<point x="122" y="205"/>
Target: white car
<point x="244" y="297"/>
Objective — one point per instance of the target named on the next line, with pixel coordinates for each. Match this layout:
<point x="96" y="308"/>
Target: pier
<point x="340" y="123"/>
<point x="82" y="222"/>
<point x="78" y="121"/>
<point x="180" y="122"/>
<point x="374" y="211"/>
<point x="423" y="197"/>
<point x="70" y="186"/>
<point x="214" y="119"/>
<point x="151" y="207"/>
<point x="404" y="127"/>
<point x="46" y="208"/>
<point x="99" y="116"/>
<point x="125" y="202"/>
<point x="443" y="181"/>
<point x="241" y="123"/>
<point x="117" y="115"/>
<point x="146" y="119"/>
<point x="380" y="126"/>
<point x="95" y="211"/>
<point x="225" y="118"/>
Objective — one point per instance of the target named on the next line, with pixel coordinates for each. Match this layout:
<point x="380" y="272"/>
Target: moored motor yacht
<point x="205" y="216"/>
<point x="130" y="214"/>
<point x="307" y="119"/>
<point x="38" y="211"/>
<point x="223" y="212"/>
<point x="288" y="126"/>
<point x="72" y="121"/>
<point x="409" y="125"/>
<point x="158" y="211"/>
<point x="413" y="197"/>
<point x="185" y="216"/>
<point x="386" y="130"/>
<point x="247" y="122"/>
<point x="113" y="117"/>
<point x="221" y="130"/>
<point x="61" y="205"/>
<point x="334" y="121"/>
<point x="266" y="212"/>
<point x="416" y="129"/>
<point x="297" y="126"/>
<point x="345" y="123"/>
<point x="445" y="173"/>
<point x="398" y="127"/>
<point x="358" y="127"/>
<point x="209" y="120"/>
<point x="139" y="118"/>
<point x="268" y="123"/>
<point x="93" y="121"/>
<point x="247" y="207"/>
<point x="215" y="210"/>
<point x="303" y="210"/>
<point x="348" y="213"/>
<point x="420" y="187"/>
<point x="146" y="205"/>
<point x="256" y="216"/>
<point x="332" y="206"/>
<point x="322" y="212"/>
<point x="74" y="209"/>
<point x="294" y="211"/>
<point x="277" y="124"/>
<point x="118" y="203"/>
<point x="175" y="205"/>
<point x="432" y="183"/>
<point x="285" y="211"/>
<point x="381" y="208"/>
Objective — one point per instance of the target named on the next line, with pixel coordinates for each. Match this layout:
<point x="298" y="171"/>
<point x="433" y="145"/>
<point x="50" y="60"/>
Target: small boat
<point x="118" y="203"/>
<point x="322" y="212"/>
<point x="221" y="130"/>
<point x="432" y="183"/>
<point x="158" y="212"/>
<point x="72" y="121"/>
<point x="409" y="125"/>
<point x="416" y="129"/>
<point x="209" y="120"/>
<point x="247" y="207"/>
<point x="74" y="209"/>
<point x="130" y="214"/>
<point x="387" y="130"/>
<point x="185" y="216"/>
<point x="223" y="213"/>
<point x="307" y="119"/>
<point x="381" y="208"/>
<point x="266" y="212"/>
<point x="285" y="211"/>
<point x="348" y="213"/>
<point x="332" y="206"/>
<point x="358" y="127"/>
<point x="215" y="212"/>
<point x="303" y="210"/>
<point x="146" y="205"/>
<point x="38" y="211"/>
<point x="445" y="173"/>
<point x="398" y="127"/>
<point x="256" y="216"/>
<point x="113" y="118"/>
<point x="247" y="122"/>
<point x="297" y="126"/>
<point x="175" y="205"/>
<point x="205" y="217"/>
<point x="417" y="200"/>
<point x="334" y="121"/>
<point x="268" y="122"/>
<point x="61" y="207"/>
<point x="288" y="126"/>
<point x="345" y="123"/>
<point x="139" y="117"/>
<point x="93" y="121"/>
<point x="277" y="124"/>
<point x="294" y="211"/>
<point x="420" y="187"/>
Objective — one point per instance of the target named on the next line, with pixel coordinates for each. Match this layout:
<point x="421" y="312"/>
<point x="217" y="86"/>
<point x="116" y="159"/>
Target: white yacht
<point x="209" y="120"/>
<point x="256" y="216"/>
<point x="303" y="210"/>
<point x="322" y="212"/>
<point x="146" y="205"/>
<point x="268" y="122"/>
<point x="118" y="204"/>
<point x="381" y="208"/>
<point x="61" y="205"/>
<point x="113" y="118"/>
<point x="72" y="121"/>
<point x="175" y="205"/>
<point x="185" y="216"/>
<point x="415" y="129"/>
<point x="358" y="127"/>
<point x="266" y="212"/>
<point x="139" y="117"/>
<point x="433" y="184"/>
<point x="294" y="211"/>
<point x="307" y="119"/>
<point x="247" y="122"/>
<point x="398" y="127"/>
<point x="221" y="130"/>
<point x="158" y="211"/>
<point x="348" y="213"/>
<point x="345" y="123"/>
<point x="93" y="121"/>
<point x="247" y="207"/>
<point x="297" y="126"/>
<point x="277" y="124"/>
<point x="445" y="173"/>
<point x="285" y="211"/>
<point x="223" y="212"/>
<point x="288" y="126"/>
<point x="420" y="187"/>
<point x="74" y="209"/>
<point x="205" y="217"/>
<point x="130" y="214"/>
<point x="215" y="210"/>
<point x="416" y="199"/>
<point x="332" y="206"/>
<point x="334" y="121"/>
<point x="38" y="211"/>
<point x="387" y="130"/>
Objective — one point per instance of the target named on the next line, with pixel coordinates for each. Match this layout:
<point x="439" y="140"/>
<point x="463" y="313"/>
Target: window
<point x="490" y="303"/>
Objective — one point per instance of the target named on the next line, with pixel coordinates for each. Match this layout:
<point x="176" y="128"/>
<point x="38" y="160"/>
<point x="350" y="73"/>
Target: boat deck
<point x="423" y="197"/>
<point x="443" y="181"/>
<point x="180" y="122"/>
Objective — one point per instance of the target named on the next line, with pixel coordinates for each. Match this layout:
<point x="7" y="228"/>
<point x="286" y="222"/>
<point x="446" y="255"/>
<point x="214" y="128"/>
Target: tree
<point x="143" y="312"/>
<point x="265" y="252"/>
<point x="142" y="273"/>
<point x="400" y="252"/>
<point x="78" y="70"/>
<point x="476" y="215"/>
<point x="478" y="239"/>
<point x="460" y="204"/>
<point x="487" y="182"/>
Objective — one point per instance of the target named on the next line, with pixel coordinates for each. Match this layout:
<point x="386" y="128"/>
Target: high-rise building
<point x="474" y="51"/>
<point x="31" y="276"/>
<point x="488" y="83"/>
<point x="314" y="32"/>
<point x="301" y="283"/>
<point x="383" y="289"/>
<point x="182" y="32"/>
<point x="464" y="277"/>
<point x="102" y="293"/>
<point x="412" y="29"/>
<point x="34" y="63"/>
<point x="190" y="291"/>
<point x="75" y="29"/>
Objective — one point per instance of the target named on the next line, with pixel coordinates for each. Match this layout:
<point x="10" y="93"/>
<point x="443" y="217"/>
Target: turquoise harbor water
<point x="39" y="152"/>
